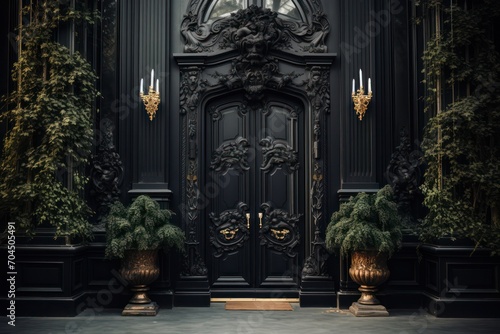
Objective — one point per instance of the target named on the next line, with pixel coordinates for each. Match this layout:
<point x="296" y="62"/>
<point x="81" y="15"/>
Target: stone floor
<point x="216" y="319"/>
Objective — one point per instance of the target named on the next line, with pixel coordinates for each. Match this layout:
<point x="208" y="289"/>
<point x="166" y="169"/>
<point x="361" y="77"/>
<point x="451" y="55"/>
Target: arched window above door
<point x="216" y="9"/>
<point x="208" y="25"/>
<point x="287" y="9"/>
<point x="291" y="9"/>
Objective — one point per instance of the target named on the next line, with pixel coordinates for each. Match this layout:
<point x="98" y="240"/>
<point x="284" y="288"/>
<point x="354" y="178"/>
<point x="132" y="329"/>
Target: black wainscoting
<point x="50" y="280"/>
<point x="460" y="281"/>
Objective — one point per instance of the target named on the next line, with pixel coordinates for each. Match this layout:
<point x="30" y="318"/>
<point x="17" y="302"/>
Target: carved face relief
<point x="253" y="81"/>
<point x="254" y="48"/>
<point x="193" y="77"/>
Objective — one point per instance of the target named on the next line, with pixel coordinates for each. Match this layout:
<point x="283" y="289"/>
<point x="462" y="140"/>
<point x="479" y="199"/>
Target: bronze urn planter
<point x="134" y="234"/>
<point x="368" y="269"/>
<point x="140" y="268"/>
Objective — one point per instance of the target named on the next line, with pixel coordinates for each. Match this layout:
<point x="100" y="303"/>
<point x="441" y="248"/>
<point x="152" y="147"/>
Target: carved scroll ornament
<point x="225" y="32"/>
<point x="229" y="232"/>
<point x="277" y="153"/>
<point x="280" y="230"/>
<point x="231" y="155"/>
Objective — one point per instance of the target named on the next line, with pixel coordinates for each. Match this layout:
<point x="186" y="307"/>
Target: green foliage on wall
<point x="50" y="127"/>
<point x="462" y="140"/>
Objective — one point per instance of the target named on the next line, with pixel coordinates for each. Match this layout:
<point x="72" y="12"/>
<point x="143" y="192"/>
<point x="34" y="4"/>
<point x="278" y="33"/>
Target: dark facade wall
<point x="373" y="36"/>
<point x="143" y="46"/>
<point x="136" y="36"/>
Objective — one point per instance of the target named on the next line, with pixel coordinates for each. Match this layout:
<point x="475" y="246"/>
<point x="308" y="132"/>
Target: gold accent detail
<point x="361" y="102"/>
<point x="279" y="234"/>
<point x="151" y="102"/>
<point x="260" y="219"/>
<point x="228" y="233"/>
<point x="317" y="177"/>
<point x="248" y="220"/>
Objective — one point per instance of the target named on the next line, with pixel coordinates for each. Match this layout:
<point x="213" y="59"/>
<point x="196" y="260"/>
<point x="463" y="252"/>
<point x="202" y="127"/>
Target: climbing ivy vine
<point x="462" y="140"/>
<point x="50" y="126"/>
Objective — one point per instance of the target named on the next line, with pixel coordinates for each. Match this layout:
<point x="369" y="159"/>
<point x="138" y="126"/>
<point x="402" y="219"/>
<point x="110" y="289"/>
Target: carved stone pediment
<point x="231" y="31"/>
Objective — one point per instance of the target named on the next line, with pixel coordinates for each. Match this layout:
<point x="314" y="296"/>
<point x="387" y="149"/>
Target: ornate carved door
<point x="255" y="189"/>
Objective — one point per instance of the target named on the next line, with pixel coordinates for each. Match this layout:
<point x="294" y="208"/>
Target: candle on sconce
<point x="360" y="78"/>
<point x="353" y="85"/>
<point x="369" y="85"/>
<point x="151" y="100"/>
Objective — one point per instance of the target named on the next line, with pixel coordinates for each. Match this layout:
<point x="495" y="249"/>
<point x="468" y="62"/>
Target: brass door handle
<point x="248" y="220"/>
<point x="260" y="219"/>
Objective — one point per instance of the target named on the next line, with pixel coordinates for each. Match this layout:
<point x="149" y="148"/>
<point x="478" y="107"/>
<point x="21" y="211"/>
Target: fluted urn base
<point x="369" y="270"/>
<point x="140" y="268"/>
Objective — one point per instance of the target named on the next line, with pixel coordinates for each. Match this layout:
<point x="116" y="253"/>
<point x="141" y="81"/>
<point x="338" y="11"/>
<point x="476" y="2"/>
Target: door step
<point x="223" y="300"/>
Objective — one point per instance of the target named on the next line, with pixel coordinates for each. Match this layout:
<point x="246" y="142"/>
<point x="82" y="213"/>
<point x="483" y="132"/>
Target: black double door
<point x="255" y="191"/>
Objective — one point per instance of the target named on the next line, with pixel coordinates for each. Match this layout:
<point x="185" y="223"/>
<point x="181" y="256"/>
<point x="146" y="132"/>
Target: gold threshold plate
<point x="223" y="300"/>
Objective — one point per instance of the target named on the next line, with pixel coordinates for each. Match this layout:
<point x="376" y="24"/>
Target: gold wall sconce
<point x="359" y="98"/>
<point x="152" y="99"/>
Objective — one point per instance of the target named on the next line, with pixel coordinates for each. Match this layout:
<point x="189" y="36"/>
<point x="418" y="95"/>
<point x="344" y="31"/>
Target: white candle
<point x="142" y="86"/>
<point x="369" y="85"/>
<point x="353" y="85"/>
<point x="360" y="78"/>
<point x="158" y="85"/>
<point x="152" y="77"/>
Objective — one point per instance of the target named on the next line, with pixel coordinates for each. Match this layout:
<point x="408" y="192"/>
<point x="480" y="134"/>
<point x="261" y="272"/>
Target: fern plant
<point x="143" y="225"/>
<point x="50" y="127"/>
<point x="366" y="222"/>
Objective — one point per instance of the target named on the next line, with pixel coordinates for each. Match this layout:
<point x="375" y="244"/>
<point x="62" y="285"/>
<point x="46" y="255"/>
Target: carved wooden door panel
<point x="255" y="193"/>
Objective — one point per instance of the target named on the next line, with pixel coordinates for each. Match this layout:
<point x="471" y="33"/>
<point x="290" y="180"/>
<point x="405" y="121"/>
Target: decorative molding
<point x="317" y="194"/>
<point x="315" y="265"/>
<point x="192" y="194"/>
<point x="229" y="155"/>
<point x="106" y="173"/>
<point x="277" y="153"/>
<point x="317" y="87"/>
<point x="229" y="232"/>
<point x="226" y="32"/>
<point x="192" y="88"/>
<point x="279" y="221"/>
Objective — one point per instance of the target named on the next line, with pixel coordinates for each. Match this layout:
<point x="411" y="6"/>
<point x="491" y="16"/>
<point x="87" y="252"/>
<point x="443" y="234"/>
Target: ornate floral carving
<point x="317" y="87"/>
<point x="226" y="32"/>
<point x="277" y="153"/>
<point x="229" y="232"/>
<point x="193" y="262"/>
<point x="231" y="154"/>
<point x="317" y="193"/>
<point x="279" y="221"/>
<point x="254" y="32"/>
<point x="106" y="173"/>
<point x="192" y="194"/>
<point x="315" y="265"/>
